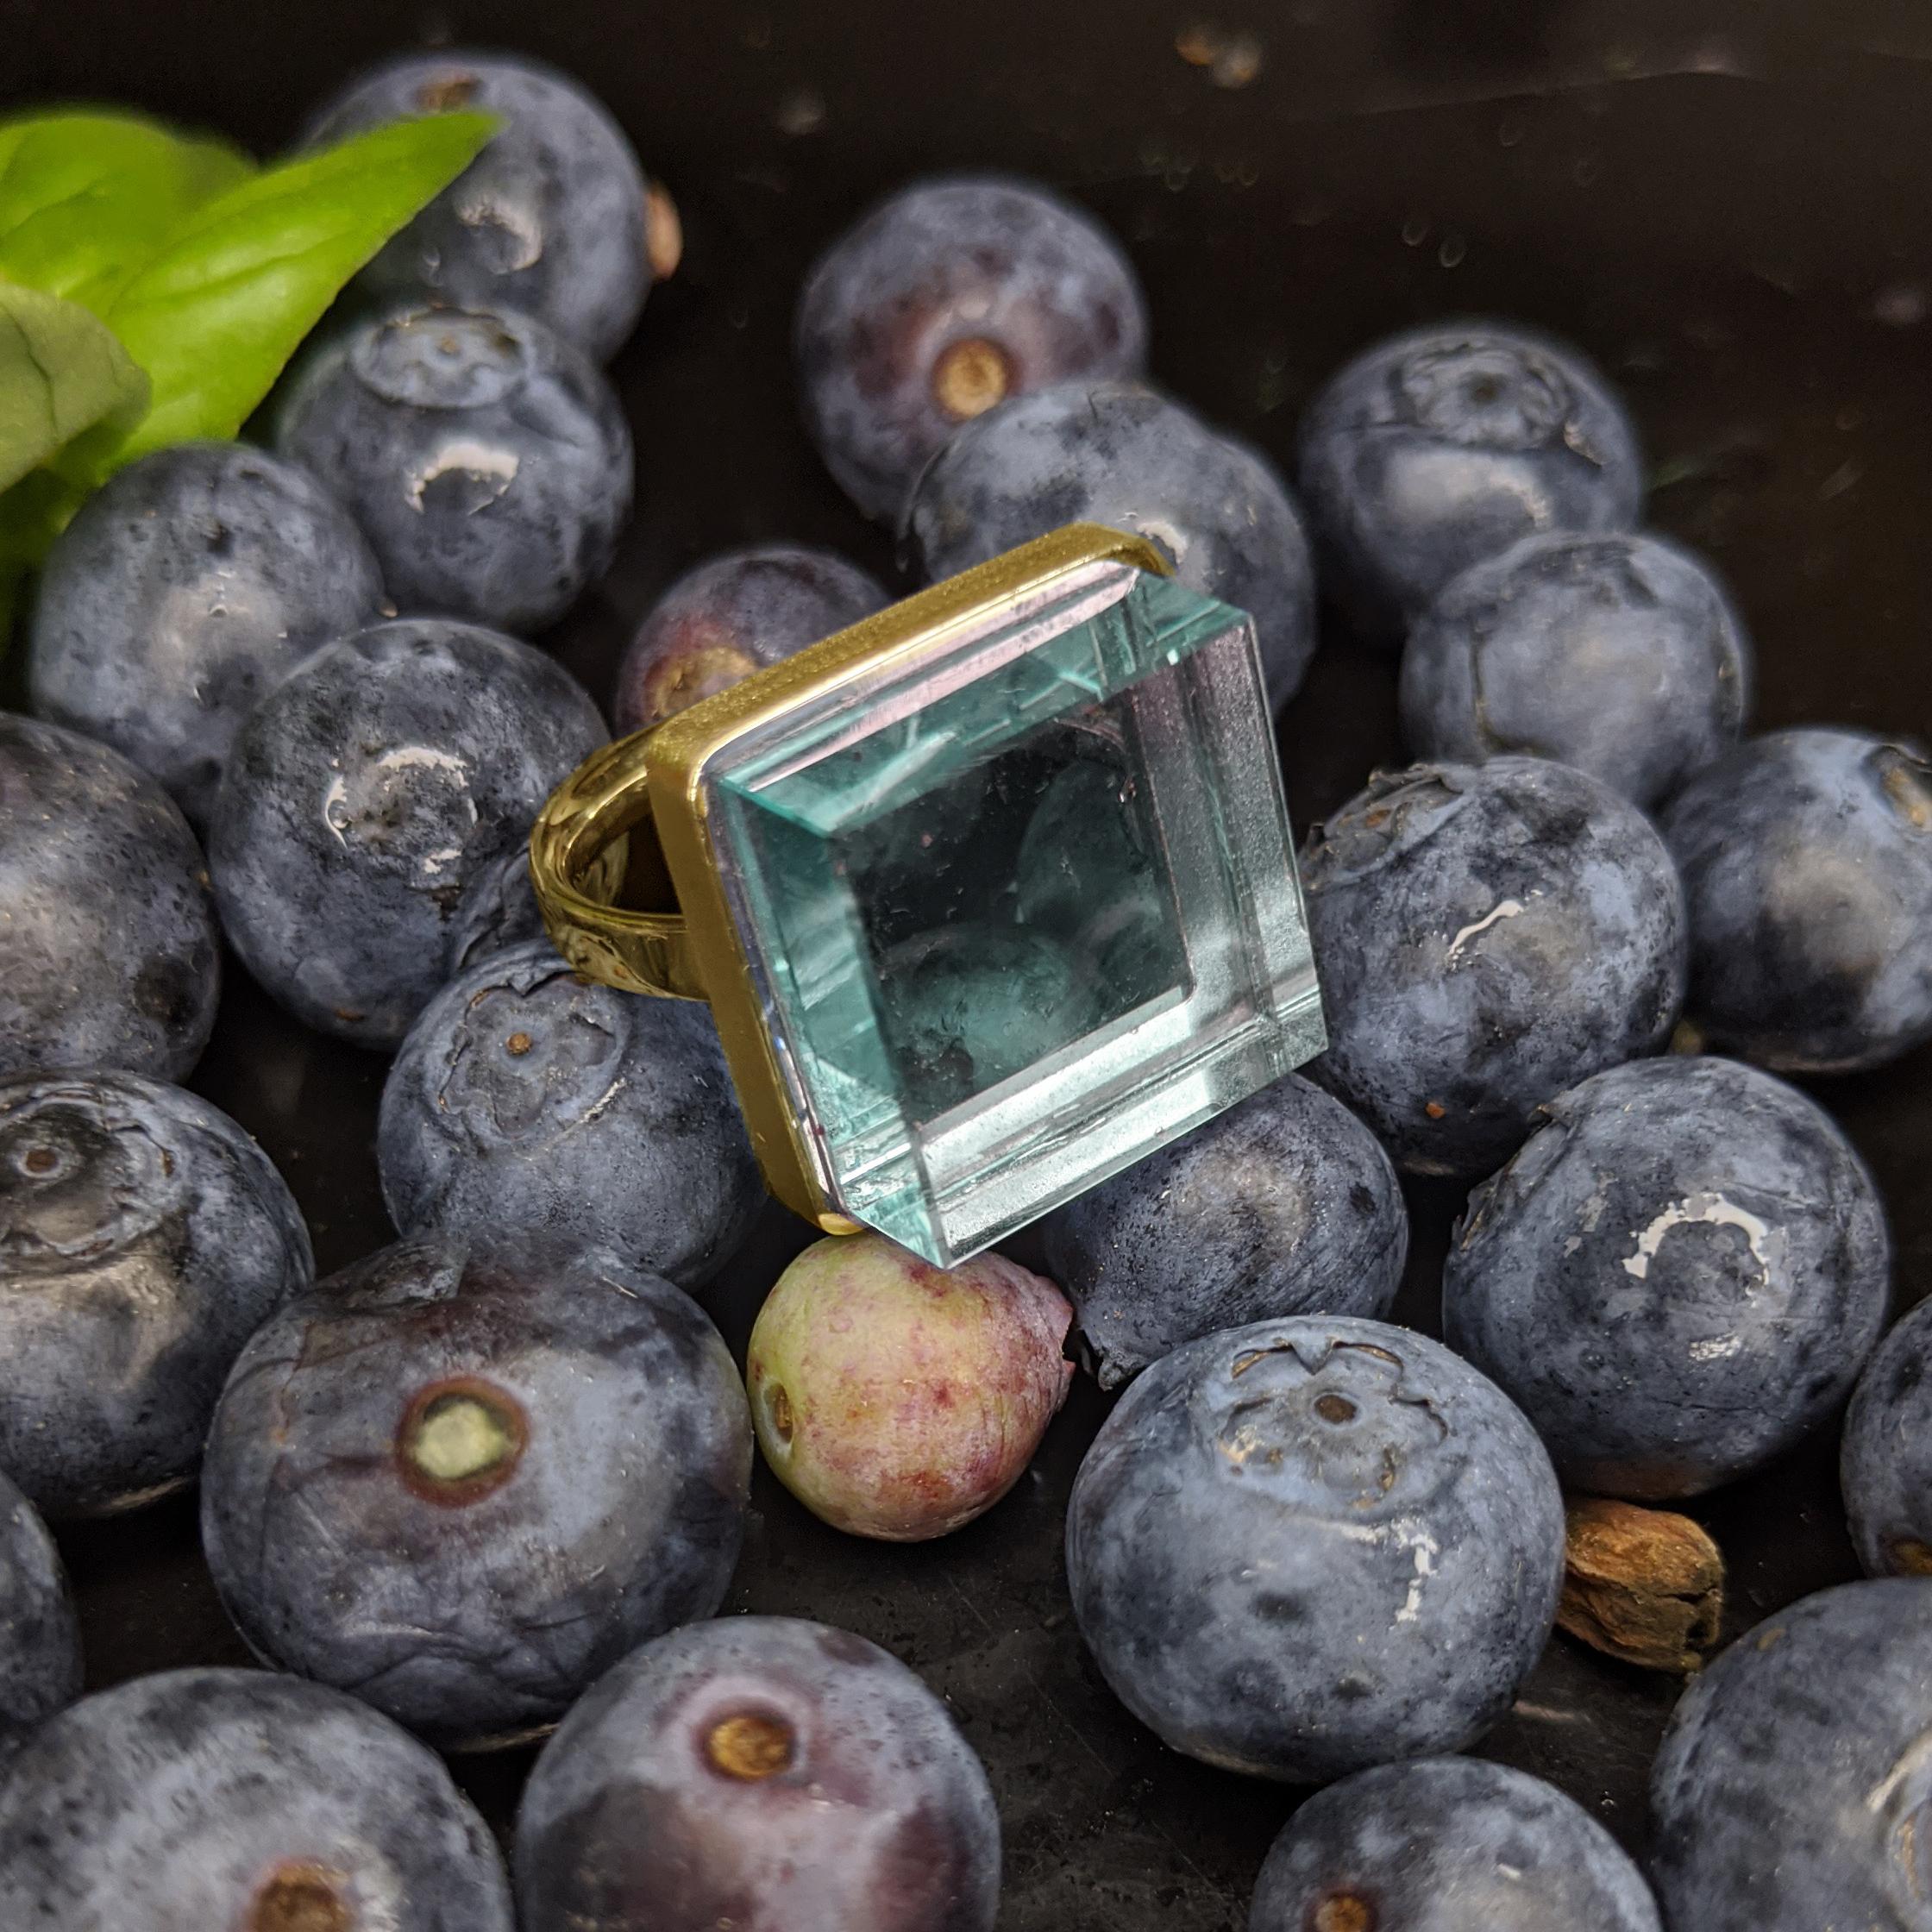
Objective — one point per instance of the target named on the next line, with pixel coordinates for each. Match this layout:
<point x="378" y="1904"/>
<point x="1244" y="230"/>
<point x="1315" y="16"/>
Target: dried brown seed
<point x="1646" y="1586"/>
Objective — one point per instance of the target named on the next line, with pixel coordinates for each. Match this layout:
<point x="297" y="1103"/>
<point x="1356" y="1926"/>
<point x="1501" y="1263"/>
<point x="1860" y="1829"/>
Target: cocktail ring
<point x="991" y="894"/>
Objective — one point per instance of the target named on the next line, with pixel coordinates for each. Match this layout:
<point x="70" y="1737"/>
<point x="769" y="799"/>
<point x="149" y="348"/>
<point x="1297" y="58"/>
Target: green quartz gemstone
<point x="1021" y="909"/>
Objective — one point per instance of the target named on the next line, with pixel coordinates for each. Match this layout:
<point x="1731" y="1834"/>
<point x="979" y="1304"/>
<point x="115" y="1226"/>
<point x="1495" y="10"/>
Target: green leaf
<point x="215" y="317"/>
<point x="61" y="372"/>
<point x="86" y="199"/>
<point x="32" y="514"/>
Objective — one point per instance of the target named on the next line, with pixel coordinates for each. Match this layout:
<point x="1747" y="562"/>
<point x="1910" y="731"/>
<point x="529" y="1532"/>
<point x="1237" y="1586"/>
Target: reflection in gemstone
<point x="1086" y="873"/>
<point x="907" y="869"/>
<point x="968" y="1006"/>
<point x="1012" y="909"/>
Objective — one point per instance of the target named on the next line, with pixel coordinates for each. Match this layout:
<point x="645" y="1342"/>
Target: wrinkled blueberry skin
<point x="1807" y="863"/>
<point x="370" y="807"/>
<point x="528" y="1098"/>
<point x="144" y="1237"/>
<point x="1119" y="454"/>
<point x="1621" y="655"/>
<point x="488" y="462"/>
<point x="40" y="1636"/>
<point x="1677" y="1277"/>
<point x="1886" y="1461"/>
<point x="110" y="955"/>
<point x="476" y="1612"/>
<point x="498" y="910"/>
<point x="879" y="1819"/>
<point x="733" y="615"/>
<point x="1308" y="1545"/>
<point x="548" y="220"/>
<point x="1448" y="443"/>
<point x="1448" y="1845"/>
<point x="1790" y="1792"/>
<point x="1487" y="935"/>
<point x="975" y="259"/>
<point x="240" y="1799"/>
<point x="180" y="593"/>
<point x="1285" y="1205"/>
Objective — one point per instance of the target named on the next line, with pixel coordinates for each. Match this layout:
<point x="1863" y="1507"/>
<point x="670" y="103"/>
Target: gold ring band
<point x="595" y="844"/>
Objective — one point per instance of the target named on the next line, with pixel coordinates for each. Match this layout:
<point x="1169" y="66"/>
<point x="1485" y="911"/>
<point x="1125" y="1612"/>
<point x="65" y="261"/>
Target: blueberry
<point x="1621" y="655"/>
<point x="550" y="219"/>
<point x="1308" y="1545"/>
<point x="110" y="956"/>
<point x="898" y="1400"/>
<point x="1677" y="1277"/>
<point x="758" y="1771"/>
<point x="1285" y="1205"/>
<point x="498" y="910"/>
<point x="462" y="1481"/>
<point x="529" y="1097"/>
<point x="1486" y="935"/>
<point x="1793" y="1790"/>
<point x="1807" y="862"/>
<point x="372" y="798"/>
<point x="947" y="297"/>
<point x="144" y="1237"/>
<point x="40" y="1638"/>
<point x="1119" y="454"/>
<point x="1447" y="443"/>
<point x="487" y="460"/>
<point x="732" y="615"/>
<point x="244" y="1801"/>
<point x="1886" y="1461"/>
<point x="1447" y="1845"/>
<point x="180" y="593"/>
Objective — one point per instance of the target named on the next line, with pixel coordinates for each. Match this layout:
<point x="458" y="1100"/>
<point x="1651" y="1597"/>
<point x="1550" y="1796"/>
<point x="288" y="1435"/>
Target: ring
<point x="990" y="894"/>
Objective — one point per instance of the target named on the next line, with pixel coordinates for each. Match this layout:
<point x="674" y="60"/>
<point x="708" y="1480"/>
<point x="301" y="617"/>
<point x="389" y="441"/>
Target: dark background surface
<point x="1729" y="206"/>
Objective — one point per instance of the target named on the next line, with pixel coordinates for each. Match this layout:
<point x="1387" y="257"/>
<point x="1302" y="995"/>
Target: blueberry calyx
<point x="750" y="1746"/>
<point x="1909" y="1556"/>
<point x="1907" y="782"/>
<point x="302" y="1898"/>
<point x="1329" y="1428"/>
<point x="970" y="376"/>
<point x="1398" y="811"/>
<point x="1489" y="394"/>
<point x="460" y="1439"/>
<point x="436" y="358"/>
<point x="1342" y="1912"/>
<point x="445" y="93"/>
<point x="778" y="1410"/>
<point x="703" y="673"/>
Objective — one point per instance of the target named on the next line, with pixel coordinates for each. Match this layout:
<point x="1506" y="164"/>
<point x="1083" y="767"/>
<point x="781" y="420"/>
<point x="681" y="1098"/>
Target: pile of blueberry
<point x="489" y="1485"/>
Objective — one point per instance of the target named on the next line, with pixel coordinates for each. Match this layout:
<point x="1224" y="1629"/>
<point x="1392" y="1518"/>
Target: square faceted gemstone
<point x="1020" y="903"/>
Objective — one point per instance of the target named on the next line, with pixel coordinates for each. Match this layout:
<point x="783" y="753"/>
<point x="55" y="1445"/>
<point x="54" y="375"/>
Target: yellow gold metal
<point x="579" y="860"/>
<point x="622" y="860"/>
